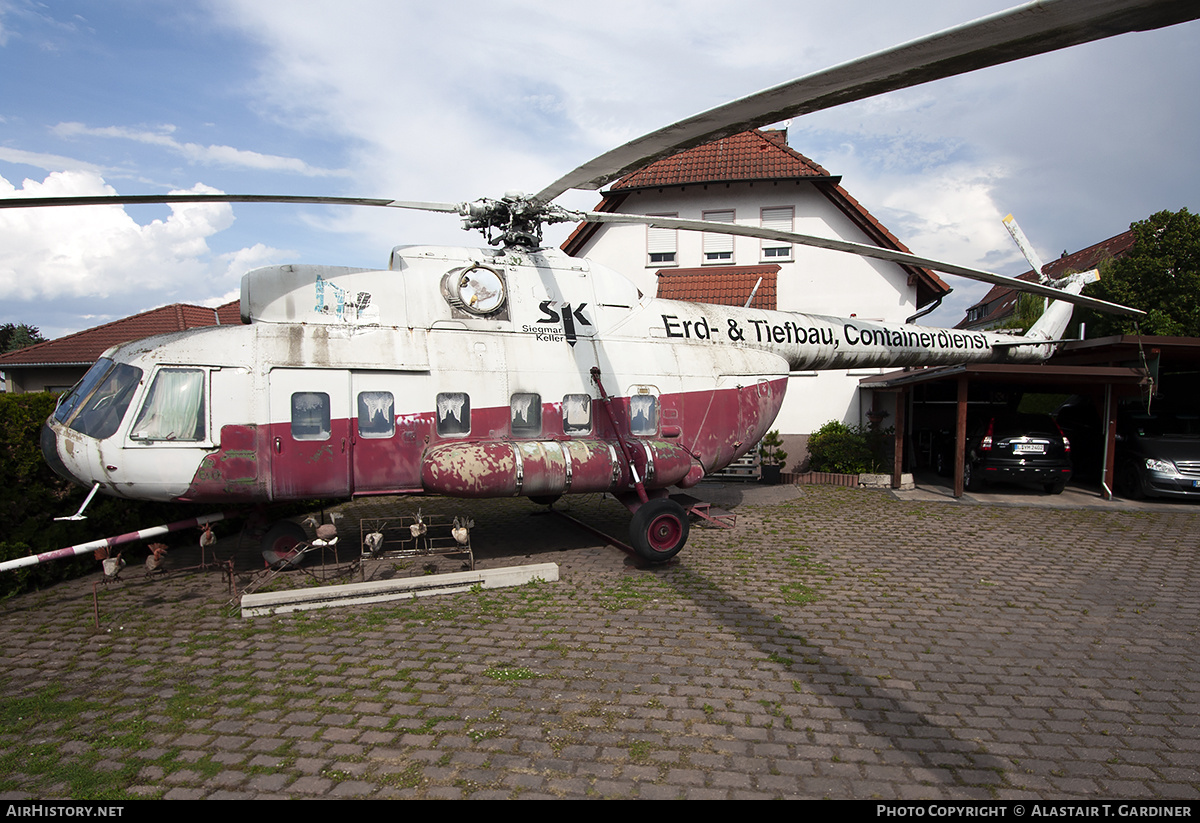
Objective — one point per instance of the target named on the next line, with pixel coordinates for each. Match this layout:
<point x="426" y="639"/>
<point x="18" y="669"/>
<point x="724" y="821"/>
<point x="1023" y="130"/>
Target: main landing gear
<point x="659" y="529"/>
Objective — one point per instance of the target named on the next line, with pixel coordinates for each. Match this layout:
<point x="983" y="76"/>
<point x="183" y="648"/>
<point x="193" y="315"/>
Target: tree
<point x="1160" y="275"/>
<point x="14" y="336"/>
<point x="1026" y="312"/>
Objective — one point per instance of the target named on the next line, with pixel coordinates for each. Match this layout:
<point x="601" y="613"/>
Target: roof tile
<point x="86" y="346"/>
<point x="750" y="155"/>
<point x="722" y="285"/>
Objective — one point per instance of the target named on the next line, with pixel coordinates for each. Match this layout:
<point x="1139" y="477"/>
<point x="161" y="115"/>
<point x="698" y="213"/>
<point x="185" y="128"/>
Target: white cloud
<point x="196" y="153"/>
<point x="100" y="251"/>
<point x="48" y="162"/>
<point x="454" y="101"/>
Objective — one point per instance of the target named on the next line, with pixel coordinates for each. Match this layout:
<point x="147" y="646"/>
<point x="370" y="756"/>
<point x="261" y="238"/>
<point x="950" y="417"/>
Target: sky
<point x="458" y="100"/>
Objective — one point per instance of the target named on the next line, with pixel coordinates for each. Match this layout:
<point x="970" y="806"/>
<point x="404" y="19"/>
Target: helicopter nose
<point x="50" y="453"/>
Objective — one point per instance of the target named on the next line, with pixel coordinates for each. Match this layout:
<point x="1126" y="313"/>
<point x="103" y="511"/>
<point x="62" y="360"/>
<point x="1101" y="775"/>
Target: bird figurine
<point x="462" y="530"/>
<point x="418" y="528"/>
<point x="207" y="541"/>
<point x="112" y="565"/>
<point x="327" y="534"/>
<point x="374" y="543"/>
<point x="156" y="560"/>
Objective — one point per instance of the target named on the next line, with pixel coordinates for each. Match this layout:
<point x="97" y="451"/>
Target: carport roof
<point x="1009" y="372"/>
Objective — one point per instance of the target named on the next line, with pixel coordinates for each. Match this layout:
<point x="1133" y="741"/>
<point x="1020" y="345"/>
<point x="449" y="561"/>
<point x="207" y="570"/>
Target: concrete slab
<point x="383" y="591"/>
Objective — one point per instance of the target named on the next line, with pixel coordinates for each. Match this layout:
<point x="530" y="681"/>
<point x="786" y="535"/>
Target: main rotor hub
<point x="516" y="219"/>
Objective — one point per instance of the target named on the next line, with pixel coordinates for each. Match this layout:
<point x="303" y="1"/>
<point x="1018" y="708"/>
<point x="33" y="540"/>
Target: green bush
<point x="836" y="447"/>
<point x="32" y="495"/>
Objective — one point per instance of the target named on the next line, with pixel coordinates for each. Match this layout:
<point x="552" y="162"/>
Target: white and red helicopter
<point x="517" y="370"/>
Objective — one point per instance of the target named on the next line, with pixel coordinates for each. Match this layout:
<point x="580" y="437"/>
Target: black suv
<point x="1011" y="447"/>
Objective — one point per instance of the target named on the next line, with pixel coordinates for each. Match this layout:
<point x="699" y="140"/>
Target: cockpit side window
<point x="174" y="408"/>
<point x="105" y="409"/>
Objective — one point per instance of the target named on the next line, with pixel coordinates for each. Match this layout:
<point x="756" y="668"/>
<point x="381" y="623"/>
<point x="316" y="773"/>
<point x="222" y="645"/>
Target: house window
<point x="376" y="414"/>
<point x="718" y="248"/>
<point x="453" y="413"/>
<point x="660" y="244"/>
<point x="777" y="219"/>
<point x="525" y="412"/>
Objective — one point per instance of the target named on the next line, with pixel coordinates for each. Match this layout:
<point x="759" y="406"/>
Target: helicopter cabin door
<point x="310" y="433"/>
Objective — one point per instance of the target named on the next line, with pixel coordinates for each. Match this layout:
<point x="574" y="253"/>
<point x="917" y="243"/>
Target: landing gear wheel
<point x="544" y="499"/>
<point x="659" y="529"/>
<point x="280" y="542"/>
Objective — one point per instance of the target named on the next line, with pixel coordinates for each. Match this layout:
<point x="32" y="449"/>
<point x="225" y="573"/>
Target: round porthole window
<point x="477" y="289"/>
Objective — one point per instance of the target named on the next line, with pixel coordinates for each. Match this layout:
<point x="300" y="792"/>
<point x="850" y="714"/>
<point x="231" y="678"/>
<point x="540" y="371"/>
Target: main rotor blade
<point x="863" y="250"/>
<point x="136" y="199"/>
<point x="1034" y="28"/>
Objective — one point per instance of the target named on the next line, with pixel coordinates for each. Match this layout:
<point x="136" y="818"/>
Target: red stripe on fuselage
<point x="715" y="426"/>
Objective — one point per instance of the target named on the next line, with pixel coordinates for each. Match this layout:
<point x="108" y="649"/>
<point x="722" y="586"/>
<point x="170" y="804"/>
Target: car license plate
<point x="1029" y="448"/>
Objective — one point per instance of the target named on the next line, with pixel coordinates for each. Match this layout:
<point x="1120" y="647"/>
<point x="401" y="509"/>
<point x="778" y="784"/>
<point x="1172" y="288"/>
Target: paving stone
<point x="952" y="650"/>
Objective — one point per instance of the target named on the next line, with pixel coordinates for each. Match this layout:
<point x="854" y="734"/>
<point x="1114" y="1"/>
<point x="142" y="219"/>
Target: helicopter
<point x="516" y="370"/>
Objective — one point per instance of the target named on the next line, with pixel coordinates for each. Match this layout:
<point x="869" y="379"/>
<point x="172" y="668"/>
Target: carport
<point x="951" y="388"/>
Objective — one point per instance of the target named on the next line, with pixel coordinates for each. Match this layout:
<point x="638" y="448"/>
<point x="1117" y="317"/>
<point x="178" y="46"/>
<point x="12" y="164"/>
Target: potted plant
<point x="770" y="450"/>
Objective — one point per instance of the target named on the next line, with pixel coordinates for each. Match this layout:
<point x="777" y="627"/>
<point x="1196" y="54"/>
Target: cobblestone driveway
<point x="841" y="643"/>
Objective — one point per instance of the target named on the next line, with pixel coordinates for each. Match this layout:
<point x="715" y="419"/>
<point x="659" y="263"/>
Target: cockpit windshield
<point x="71" y="400"/>
<point x="102" y="409"/>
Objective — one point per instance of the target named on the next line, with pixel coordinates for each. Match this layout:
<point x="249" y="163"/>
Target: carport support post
<point x="960" y="437"/>
<point x="898" y="460"/>
<point x="1110" y="443"/>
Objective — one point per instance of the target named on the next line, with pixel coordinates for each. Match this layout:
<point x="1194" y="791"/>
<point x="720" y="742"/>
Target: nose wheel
<point x="659" y="529"/>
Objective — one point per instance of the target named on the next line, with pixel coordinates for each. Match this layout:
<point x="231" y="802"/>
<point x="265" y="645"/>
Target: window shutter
<point x="718" y="244"/>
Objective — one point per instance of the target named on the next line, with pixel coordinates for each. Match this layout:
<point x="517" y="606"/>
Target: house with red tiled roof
<point x="56" y="365"/>
<point x="755" y="178"/>
<point x="998" y="305"/>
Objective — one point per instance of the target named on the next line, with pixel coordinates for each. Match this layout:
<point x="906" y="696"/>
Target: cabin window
<point x="577" y="414"/>
<point x="526" y="414"/>
<point x="105" y="409"/>
<point x="777" y="220"/>
<point x="174" y="407"/>
<point x="310" y="416"/>
<point x="376" y="414"/>
<point x="718" y="248"/>
<point x="643" y="414"/>
<point x="453" y="413"/>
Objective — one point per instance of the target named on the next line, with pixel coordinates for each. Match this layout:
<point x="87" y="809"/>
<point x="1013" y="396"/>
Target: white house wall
<point x="815" y="280"/>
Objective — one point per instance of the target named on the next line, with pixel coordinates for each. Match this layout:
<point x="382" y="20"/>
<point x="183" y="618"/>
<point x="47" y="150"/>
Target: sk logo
<point x="569" y="318"/>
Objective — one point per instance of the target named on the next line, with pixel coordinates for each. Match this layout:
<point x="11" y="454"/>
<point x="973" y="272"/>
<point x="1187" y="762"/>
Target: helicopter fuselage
<point x="461" y="372"/>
